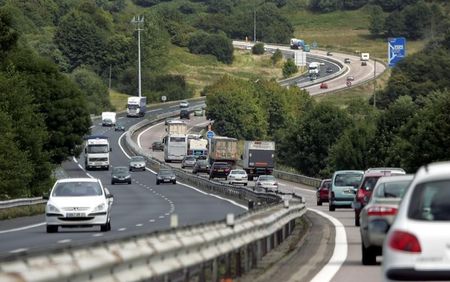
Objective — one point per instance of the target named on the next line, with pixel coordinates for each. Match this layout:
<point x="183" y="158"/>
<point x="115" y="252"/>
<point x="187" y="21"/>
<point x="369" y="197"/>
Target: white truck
<point x="136" y="106"/>
<point x="365" y="57"/>
<point x="258" y="158"/>
<point x="314" y="69"/>
<point x="96" y="152"/>
<point x="176" y="127"/>
<point x="108" y="118"/>
<point x="198" y="147"/>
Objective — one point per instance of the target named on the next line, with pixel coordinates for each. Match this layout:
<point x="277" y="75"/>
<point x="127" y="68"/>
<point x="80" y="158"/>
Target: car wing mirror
<point x="110" y="149"/>
<point x="110" y="196"/>
<point x="46" y="195"/>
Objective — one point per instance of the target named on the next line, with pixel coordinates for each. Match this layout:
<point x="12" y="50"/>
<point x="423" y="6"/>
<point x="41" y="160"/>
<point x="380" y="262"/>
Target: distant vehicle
<point x="237" y="176"/>
<point x="343" y="188"/>
<point x="136" y="106"/>
<point x="157" y="146"/>
<point x="391" y="170"/>
<point x="223" y="149"/>
<point x="78" y="202"/>
<point x="198" y="112"/>
<point x="201" y="166"/>
<point x="184" y="104"/>
<point x="166" y="176"/>
<point x="323" y="85"/>
<point x="258" y="158"/>
<point x="297" y="43"/>
<point x="184" y="114"/>
<point x="188" y="161"/>
<point x="322" y="191"/>
<point x="108" y="118"/>
<point x="176" y="127"/>
<point x="175" y="147"/>
<point x="119" y="127"/>
<point x="266" y="182"/>
<point x="364" y="63"/>
<point x="219" y="169"/>
<point x="365" y="56"/>
<point x="96" y="152"/>
<point x="197" y="147"/>
<point x="329" y="70"/>
<point x="329" y="53"/>
<point x="378" y="215"/>
<point x="417" y="244"/>
<point x="120" y="174"/>
<point x="314" y="69"/>
<point x="347" y="60"/>
<point x="350" y="78"/>
<point x="365" y="191"/>
<point x="137" y="163"/>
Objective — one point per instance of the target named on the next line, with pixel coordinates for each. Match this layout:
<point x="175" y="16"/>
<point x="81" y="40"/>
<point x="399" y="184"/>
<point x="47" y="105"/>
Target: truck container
<point x="108" y="118"/>
<point x="198" y="147"/>
<point x="365" y="56"/>
<point x="258" y="158"/>
<point x="136" y="106"/>
<point x="297" y="43"/>
<point x="176" y="127"/>
<point x="223" y="149"/>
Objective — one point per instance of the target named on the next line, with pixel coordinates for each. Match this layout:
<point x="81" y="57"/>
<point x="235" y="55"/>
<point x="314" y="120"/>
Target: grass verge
<point x="22" y="211"/>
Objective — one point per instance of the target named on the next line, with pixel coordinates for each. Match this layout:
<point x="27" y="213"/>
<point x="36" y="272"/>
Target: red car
<point x="323" y="85"/>
<point x="365" y="191"/>
<point x="322" y="191"/>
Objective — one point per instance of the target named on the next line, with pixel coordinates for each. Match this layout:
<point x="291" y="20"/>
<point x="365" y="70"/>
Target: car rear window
<point x="238" y="172"/>
<point x="220" y="165"/>
<point x="348" y="179"/>
<point x="430" y="201"/>
<point x="392" y="189"/>
<point x="369" y="182"/>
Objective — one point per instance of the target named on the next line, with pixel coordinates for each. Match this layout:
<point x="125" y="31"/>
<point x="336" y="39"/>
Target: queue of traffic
<point x="402" y="217"/>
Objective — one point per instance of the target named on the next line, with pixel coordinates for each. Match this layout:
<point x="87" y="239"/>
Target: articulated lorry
<point x="258" y="158"/>
<point x="96" y="152"/>
<point x="176" y="127"/>
<point x="314" y="69"/>
<point x="297" y="43"/>
<point x="136" y="106"/>
<point x="223" y="149"/>
<point x="108" y="118"/>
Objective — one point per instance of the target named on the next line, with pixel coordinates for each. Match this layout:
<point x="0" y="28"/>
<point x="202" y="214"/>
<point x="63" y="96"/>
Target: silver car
<point x="266" y="182"/>
<point x="377" y="216"/>
<point x="417" y="244"/>
<point x="188" y="161"/>
<point x="137" y="163"/>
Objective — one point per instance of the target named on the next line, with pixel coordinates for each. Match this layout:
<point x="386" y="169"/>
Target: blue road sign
<point x="210" y="134"/>
<point x="396" y="50"/>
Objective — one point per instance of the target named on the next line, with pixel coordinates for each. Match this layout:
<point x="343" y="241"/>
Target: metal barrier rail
<point x="21" y="202"/>
<point x="162" y="255"/>
<point x="297" y="178"/>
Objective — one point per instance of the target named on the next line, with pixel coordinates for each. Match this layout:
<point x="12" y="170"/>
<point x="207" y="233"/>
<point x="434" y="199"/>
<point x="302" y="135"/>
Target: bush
<point x="289" y="68"/>
<point x="214" y="44"/>
<point x="258" y="49"/>
<point x="276" y="57"/>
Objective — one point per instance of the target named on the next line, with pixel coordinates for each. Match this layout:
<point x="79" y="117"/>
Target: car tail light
<point x="381" y="211"/>
<point x="404" y="241"/>
<point x="360" y="195"/>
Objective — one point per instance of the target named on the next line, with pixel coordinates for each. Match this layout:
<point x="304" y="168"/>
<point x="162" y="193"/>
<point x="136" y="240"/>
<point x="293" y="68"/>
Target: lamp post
<point x="254" y="19"/>
<point x="138" y="21"/>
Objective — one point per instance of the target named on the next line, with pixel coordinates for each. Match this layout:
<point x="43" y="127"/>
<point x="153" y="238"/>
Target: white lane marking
<point x="64" y="241"/>
<point x="80" y="166"/>
<point x="151" y="220"/>
<point x="155" y="110"/>
<point x="140" y="134"/>
<point x="161" y="216"/>
<point x="98" y="235"/>
<point x="121" y="117"/>
<point x="121" y="229"/>
<point x="22" y="228"/>
<point x="92" y="126"/>
<point x="174" y="106"/>
<point x="340" y="250"/>
<point x="89" y="175"/>
<point x="75" y="159"/>
<point x="167" y="213"/>
<point x="18" y="251"/>
<point x="139" y="225"/>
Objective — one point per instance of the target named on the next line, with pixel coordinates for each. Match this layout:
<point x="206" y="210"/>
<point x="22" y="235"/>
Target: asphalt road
<point x="351" y="269"/>
<point x="139" y="208"/>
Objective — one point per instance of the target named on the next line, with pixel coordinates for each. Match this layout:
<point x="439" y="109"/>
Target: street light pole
<point x="254" y="24"/>
<point x="138" y="20"/>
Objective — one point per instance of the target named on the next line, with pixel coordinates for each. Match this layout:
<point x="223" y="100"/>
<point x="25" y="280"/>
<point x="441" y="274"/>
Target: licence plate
<point x="220" y="170"/>
<point x="98" y="166"/>
<point x="166" y="180"/>
<point x="75" y="214"/>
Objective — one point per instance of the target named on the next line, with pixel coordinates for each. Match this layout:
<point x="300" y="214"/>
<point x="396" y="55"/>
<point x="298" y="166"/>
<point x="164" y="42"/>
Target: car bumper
<point x="116" y="180"/>
<point x="137" y="167"/>
<point x="411" y="274"/>
<point x="242" y="181"/>
<point x="89" y="220"/>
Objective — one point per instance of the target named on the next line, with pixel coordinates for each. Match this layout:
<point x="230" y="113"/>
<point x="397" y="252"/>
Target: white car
<point x="266" y="182"/>
<point x="184" y="104"/>
<point x="417" y="246"/>
<point x="237" y="176"/>
<point x="78" y="202"/>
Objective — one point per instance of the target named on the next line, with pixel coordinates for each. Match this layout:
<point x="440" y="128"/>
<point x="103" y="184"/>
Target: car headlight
<point x="173" y="177"/>
<point x="52" y="208"/>
<point x="115" y="176"/>
<point x="100" y="208"/>
<point x="128" y="176"/>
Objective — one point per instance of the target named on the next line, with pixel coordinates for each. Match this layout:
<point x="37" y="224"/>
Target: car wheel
<point x="356" y="219"/>
<point x="52" y="228"/>
<point x="182" y="167"/>
<point x="174" y="182"/>
<point x="112" y="182"/>
<point x="368" y="255"/>
<point x="245" y="184"/>
<point x="104" y="227"/>
<point x="331" y="207"/>
<point x="157" y="182"/>
<point x="129" y="182"/>
<point x="109" y="225"/>
<point x="319" y="202"/>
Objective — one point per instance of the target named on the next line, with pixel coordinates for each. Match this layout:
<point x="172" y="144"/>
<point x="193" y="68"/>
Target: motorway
<point x="352" y="269"/>
<point x="143" y="207"/>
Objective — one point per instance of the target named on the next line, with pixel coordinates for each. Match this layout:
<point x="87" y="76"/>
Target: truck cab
<point x="97" y="153"/>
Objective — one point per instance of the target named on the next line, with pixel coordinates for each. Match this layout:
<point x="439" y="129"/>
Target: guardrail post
<point x="246" y="258"/>
<point x="259" y="250"/>
<point x="202" y="276"/>
<point x="186" y="274"/>
<point x="215" y="271"/>
<point x="253" y="249"/>
<point x="238" y="263"/>
<point x="228" y="265"/>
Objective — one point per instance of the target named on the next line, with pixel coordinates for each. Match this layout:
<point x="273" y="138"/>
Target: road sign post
<point x="396" y="50"/>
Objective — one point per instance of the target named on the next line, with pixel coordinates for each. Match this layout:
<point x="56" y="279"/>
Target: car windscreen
<point x="177" y="139"/>
<point x="77" y="189"/>
<point x="391" y="189"/>
<point x="165" y="172"/>
<point x="137" y="159"/>
<point x="92" y="149"/>
<point x="190" y="158"/>
<point x="430" y="201"/>
<point x="120" y="170"/>
<point x="348" y="179"/>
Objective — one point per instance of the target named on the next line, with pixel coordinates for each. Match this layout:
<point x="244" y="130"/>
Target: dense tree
<point x="8" y="36"/>
<point x="258" y="49"/>
<point x="376" y="20"/>
<point x="215" y="44"/>
<point x="289" y="68"/>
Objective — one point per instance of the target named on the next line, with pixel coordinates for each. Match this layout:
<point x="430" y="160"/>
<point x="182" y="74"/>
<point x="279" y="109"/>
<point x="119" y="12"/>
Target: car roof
<point x="348" y="171"/>
<point x="120" y="167"/>
<point x="238" y="169"/>
<point x="434" y="171"/>
<point x="85" y="179"/>
<point x="377" y="174"/>
<point x="395" y="178"/>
